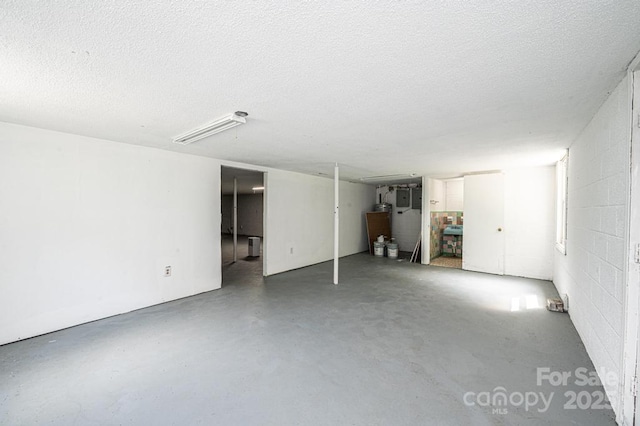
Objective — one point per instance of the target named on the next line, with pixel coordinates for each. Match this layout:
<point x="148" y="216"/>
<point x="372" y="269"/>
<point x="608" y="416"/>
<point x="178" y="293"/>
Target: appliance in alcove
<point x="254" y="246"/>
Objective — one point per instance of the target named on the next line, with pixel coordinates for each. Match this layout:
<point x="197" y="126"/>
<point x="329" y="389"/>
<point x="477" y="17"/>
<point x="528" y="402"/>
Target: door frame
<point x="628" y="414"/>
<point x="265" y="176"/>
<point x="426" y="222"/>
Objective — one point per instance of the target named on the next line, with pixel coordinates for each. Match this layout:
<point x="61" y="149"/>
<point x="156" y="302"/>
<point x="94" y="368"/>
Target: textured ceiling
<point x="382" y="87"/>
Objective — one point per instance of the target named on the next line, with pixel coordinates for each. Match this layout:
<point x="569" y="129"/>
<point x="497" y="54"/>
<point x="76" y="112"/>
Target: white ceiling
<point x="436" y="88"/>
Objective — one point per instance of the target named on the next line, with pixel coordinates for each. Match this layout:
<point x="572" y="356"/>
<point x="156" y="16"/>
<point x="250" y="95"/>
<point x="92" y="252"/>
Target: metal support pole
<point x="336" y="223"/>
<point x="235" y="219"/>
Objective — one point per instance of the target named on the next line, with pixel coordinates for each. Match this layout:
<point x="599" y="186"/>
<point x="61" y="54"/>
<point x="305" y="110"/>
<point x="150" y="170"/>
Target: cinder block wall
<point x="591" y="272"/>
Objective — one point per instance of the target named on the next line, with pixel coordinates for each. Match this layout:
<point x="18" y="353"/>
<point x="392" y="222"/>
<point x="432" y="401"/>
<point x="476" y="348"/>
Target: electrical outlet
<point x="636" y="257"/>
<point x="167" y="271"/>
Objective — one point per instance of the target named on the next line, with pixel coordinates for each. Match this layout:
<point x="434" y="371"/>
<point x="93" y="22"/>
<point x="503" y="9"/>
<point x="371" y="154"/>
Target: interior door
<point x="483" y="243"/>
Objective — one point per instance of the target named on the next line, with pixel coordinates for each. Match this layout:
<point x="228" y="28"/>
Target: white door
<point x="483" y="237"/>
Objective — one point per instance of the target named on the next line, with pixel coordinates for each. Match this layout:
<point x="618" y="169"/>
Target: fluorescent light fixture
<point x="398" y="176"/>
<point x="258" y="188"/>
<point x="220" y="125"/>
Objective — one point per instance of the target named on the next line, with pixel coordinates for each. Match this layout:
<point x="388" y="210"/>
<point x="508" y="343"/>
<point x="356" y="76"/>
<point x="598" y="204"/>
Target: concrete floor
<point x="394" y="343"/>
<point x="447" y="262"/>
<point x="246" y="268"/>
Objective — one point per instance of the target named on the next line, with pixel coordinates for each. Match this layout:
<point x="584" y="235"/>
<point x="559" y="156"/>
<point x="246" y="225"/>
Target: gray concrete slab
<point x="394" y="343"/>
<point x="246" y="268"/>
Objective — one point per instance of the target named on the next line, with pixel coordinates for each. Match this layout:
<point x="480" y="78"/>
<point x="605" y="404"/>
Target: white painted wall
<point x="454" y="195"/>
<point x="529" y="222"/>
<point x="87" y="226"/>
<point x="355" y="201"/>
<point x="301" y="233"/>
<point x="437" y="194"/>
<point x="406" y="227"/>
<point x="250" y="210"/>
<point x="592" y="272"/>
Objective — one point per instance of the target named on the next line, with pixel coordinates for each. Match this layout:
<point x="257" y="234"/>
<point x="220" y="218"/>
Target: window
<point x="561" y="203"/>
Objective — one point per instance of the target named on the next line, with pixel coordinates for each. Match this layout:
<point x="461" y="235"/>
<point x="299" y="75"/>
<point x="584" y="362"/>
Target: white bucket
<point x="378" y="249"/>
<point x="392" y="251"/>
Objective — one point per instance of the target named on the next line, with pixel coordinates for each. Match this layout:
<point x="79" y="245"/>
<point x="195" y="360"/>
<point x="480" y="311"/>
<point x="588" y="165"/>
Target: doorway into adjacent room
<point x="242" y="224"/>
<point x="447" y="222"/>
<point x="401" y="201"/>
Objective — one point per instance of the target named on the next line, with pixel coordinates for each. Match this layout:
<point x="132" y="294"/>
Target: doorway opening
<point x="401" y="201"/>
<point x="446" y="237"/>
<point x="242" y="224"/>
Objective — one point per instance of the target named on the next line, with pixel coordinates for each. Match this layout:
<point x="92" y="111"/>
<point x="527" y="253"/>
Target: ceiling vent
<point x="220" y="125"/>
